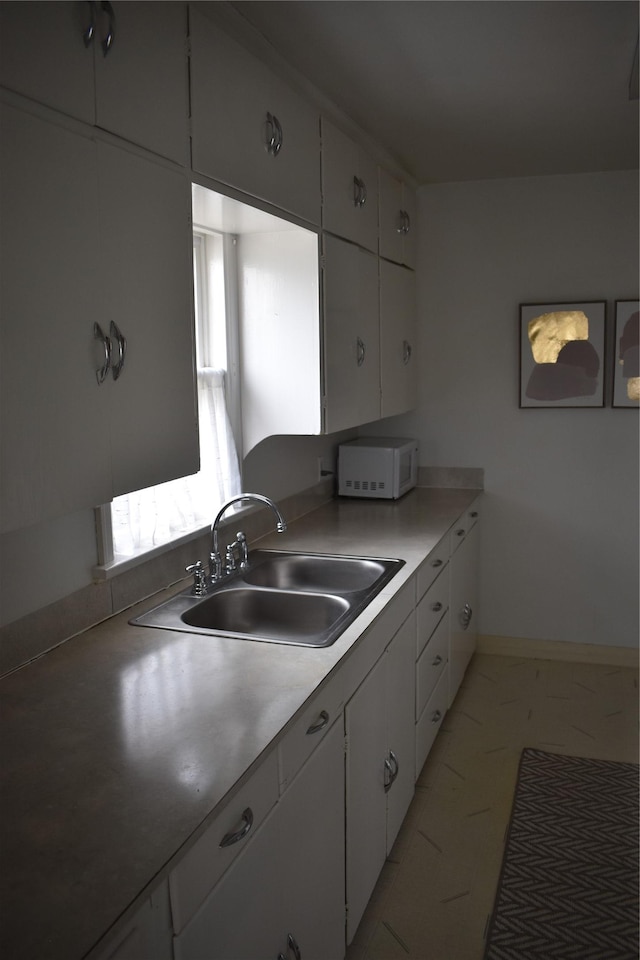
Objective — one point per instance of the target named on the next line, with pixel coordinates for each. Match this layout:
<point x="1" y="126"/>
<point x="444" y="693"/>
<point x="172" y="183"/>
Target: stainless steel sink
<point x="292" y="598"/>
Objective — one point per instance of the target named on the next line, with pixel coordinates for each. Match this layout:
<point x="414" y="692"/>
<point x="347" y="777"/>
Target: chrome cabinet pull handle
<point x="401" y="222"/>
<point x="392" y="768"/>
<point x="278" y="146"/>
<point x="102" y="371"/>
<point x="474" y="514"/>
<point x="270" y="143"/>
<point x="437" y="661"/>
<point x="116" y="368"/>
<point x="291" y="943"/>
<point x="357" y="184"/>
<point x="436" y="606"/>
<point x="465" y="616"/>
<point x="437" y="563"/>
<point x="321" y="722"/>
<point x="235" y="836"/>
<point x="274" y="135"/>
<point x="406" y="352"/>
<point x="108" y="39"/>
<point x="407" y="222"/>
<point x="89" y="31"/>
<point x="461" y="532"/>
<point x="437" y="716"/>
<point x="361" y="351"/>
<point x="363" y="193"/>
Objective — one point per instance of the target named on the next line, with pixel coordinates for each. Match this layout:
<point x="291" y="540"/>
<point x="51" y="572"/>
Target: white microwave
<point x="385" y="467"/>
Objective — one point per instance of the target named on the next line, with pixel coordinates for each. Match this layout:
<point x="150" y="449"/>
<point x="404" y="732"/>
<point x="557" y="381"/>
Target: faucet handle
<point x="241" y="540"/>
<point x="199" y="587"/>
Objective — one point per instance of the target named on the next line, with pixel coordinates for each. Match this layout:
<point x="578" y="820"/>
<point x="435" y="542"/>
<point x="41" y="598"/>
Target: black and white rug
<point x="569" y="883"/>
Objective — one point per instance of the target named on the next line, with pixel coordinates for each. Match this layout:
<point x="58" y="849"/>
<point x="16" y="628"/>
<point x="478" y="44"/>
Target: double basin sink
<point x="302" y="599"/>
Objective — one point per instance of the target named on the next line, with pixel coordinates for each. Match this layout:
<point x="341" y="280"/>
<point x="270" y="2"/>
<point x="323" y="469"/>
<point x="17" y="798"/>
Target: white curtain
<point x="156" y="515"/>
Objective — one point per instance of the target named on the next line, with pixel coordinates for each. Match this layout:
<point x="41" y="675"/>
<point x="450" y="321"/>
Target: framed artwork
<point x="626" y="375"/>
<point x="562" y="354"/>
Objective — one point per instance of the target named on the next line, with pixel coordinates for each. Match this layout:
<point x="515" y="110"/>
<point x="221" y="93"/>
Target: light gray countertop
<point x="117" y="745"/>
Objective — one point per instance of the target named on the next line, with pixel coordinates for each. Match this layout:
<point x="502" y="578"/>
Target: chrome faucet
<point x="215" y="560"/>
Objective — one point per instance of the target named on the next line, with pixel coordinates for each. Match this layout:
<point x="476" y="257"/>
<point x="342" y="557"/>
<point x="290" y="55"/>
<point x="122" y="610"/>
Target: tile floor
<point x="436" y="891"/>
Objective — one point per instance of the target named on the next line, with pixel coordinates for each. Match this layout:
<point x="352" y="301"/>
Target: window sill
<point x="121" y="564"/>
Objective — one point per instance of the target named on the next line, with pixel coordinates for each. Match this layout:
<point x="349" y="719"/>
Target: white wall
<point x="560" y="537"/>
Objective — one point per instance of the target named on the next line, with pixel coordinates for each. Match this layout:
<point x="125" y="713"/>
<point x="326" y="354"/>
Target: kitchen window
<point x="145" y="520"/>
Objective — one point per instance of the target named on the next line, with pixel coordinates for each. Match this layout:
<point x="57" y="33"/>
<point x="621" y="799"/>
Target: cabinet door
<point x="311" y="859"/>
<point x="365" y="725"/>
<point x="142" y="83"/>
<point x="352" y="336"/>
<point x="55" y="456"/>
<point x="463" y="608"/>
<point x="146" y="288"/>
<point x="392" y="223"/>
<point x="398" y="361"/>
<point x="397" y="203"/>
<point x="43" y="55"/>
<point x="138" y="91"/>
<point x="241" y="917"/>
<point x="349" y="189"/>
<point x="400" y="706"/>
<point x="289" y="881"/>
<point x="233" y="95"/>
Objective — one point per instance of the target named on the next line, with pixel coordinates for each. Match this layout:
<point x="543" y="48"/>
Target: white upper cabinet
<point x="397" y="205"/>
<point x="55" y="452"/>
<point x="352" y="335"/>
<point x="94" y="241"/>
<point x="146" y="290"/>
<point x="249" y="128"/>
<point x="349" y="189"/>
<point x="398" y="369"/>
<point x="123" y="68"/>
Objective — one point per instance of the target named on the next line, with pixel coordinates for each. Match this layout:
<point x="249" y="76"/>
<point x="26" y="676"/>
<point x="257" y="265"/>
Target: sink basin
<point x="303" y="571"/>
<point x="276" y="615"/>
<point x="300" y="599"/>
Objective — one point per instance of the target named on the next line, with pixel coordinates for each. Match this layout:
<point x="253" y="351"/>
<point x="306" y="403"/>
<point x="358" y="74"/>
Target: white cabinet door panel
<point x="231" y="94"/>
<point x="344" y="161"/>
<point x="365" y="724"/>
<point x="400" y="669"/>
<point x="463" y="613"/>
<point x="142" y="84"/>
<point x="398" y="356"/>
<point x="55" y="444"/>
<point x="146" y="289"/>
<point x="43" y="55"/>
<point x="352" y="337"/>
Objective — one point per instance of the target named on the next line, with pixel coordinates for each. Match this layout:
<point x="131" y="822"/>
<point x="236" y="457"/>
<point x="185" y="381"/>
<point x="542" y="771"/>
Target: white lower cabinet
<point x="463" y="606"/>
<point x="285" y="891"/>
<point x="379" y="723"/>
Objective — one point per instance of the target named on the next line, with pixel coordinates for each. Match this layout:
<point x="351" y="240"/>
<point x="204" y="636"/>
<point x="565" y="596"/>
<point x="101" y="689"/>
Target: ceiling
<point x="471" y="89"/>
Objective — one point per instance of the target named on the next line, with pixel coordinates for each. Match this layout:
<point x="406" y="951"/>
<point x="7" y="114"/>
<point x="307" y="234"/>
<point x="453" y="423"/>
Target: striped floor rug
<point x="569" y="883"/>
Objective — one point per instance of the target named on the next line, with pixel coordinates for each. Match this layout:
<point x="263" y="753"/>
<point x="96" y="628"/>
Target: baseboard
<point x="557" y="650"/>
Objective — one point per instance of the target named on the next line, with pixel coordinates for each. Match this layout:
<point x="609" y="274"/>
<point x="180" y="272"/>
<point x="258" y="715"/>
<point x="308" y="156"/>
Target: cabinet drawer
<point x="432" y="567"/>
<point x="464" y="526"/>
<point x="198" y="871"/>
<point x="432" y="664"/>
<point x="431" y="720"/>
<point x="309" y="729"/>
<point x="432" y="609"/>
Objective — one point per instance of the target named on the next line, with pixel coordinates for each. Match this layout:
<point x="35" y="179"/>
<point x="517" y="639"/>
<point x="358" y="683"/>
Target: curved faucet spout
<point x="214" y="557"/>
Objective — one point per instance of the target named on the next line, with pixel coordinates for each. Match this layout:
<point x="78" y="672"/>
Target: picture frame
<point x="562" y="354"/>
<point x="626" y="376"/>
